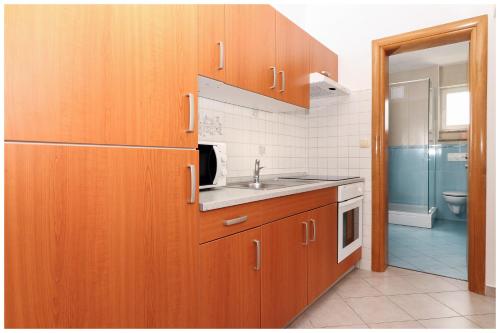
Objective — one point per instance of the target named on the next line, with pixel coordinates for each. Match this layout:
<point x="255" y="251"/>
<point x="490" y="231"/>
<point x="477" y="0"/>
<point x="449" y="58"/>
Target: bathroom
<point x="428" y="151"/>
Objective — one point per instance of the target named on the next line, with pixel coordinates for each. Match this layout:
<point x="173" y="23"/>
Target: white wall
<point x="349" y="30"/>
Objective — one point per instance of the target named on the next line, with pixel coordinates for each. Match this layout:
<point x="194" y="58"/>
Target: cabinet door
<point x="284" y="270"/>
<point x="230" y="281"/>
<point x="322" y="250"/>
<point x="323" y="60"/>
<point x="251" y="47"/>
<point x="292" y="57"/>
<point x="211" y="42"/>
<point x="99" y="237"/>
<point x="106" y="74"/>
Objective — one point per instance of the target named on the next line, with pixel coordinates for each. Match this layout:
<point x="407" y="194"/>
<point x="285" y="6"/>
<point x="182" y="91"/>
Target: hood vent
<point x="321" y="86"/>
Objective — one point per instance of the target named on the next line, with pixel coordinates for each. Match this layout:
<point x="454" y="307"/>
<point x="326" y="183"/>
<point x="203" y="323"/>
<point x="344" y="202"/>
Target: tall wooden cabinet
<point x="103" y="74"/>
<point x="99" y="237"/>
<point x="230" y="281"/>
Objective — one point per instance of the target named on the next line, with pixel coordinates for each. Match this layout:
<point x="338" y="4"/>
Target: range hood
<point x="322" y="86"/>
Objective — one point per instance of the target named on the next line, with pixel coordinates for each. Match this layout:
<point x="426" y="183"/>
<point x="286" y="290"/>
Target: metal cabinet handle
<point x="273" y="68"/>
<point x="313" y="221"/>
<point x="221" y="55"/>
<point x="307" y="233"/>
<point x="237" y="220"/>
<point x="258" y="255"/>
<point x="192" y="196"/>
<point x="191" y="112"/>
<point x="325" y="73"/>
<point x="283" y="86"/>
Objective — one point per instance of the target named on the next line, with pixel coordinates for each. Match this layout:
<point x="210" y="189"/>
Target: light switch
<point x="364" y="143"/>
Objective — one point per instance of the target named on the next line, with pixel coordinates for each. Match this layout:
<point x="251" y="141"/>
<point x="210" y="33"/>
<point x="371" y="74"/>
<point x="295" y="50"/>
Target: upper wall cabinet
<point x="107" y="74"/>
<point x="211" y="42"/>
<point x="323" y="60"/>
<point x="292" y="55"/>
<point x="251" y="48"/>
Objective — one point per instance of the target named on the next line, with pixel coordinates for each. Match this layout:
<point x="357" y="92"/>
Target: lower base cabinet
<point x="230" y="281"/>
<point x="99" y="237"/>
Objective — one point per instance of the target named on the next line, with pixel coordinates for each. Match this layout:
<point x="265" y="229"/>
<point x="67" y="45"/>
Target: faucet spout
<point x="256" y="171"/>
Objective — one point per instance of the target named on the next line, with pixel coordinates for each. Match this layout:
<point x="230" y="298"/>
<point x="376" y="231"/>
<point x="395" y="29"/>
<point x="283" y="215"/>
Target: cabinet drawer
<point x="226" y="221"/>
<point x="278" y="208"/>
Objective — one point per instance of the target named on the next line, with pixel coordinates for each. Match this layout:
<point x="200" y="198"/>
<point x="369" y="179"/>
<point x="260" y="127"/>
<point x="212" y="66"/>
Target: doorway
<point x="429" y="118"/>
<point x="474" y="31"/>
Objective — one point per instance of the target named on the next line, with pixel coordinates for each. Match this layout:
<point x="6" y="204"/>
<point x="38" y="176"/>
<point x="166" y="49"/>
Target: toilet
<point x="456" y="201"/>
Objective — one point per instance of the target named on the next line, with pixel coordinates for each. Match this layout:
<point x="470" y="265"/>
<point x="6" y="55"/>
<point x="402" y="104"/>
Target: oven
<point x="350" y="219"/>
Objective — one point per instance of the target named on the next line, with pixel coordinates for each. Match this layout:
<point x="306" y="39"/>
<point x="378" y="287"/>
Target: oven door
<point x="350" y="227"/>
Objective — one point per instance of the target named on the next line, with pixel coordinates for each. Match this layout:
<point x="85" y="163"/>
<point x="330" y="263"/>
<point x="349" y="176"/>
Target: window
<point x="455" y="109"/>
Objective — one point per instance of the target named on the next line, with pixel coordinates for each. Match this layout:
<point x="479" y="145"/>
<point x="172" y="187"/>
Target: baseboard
<point x="490" y="291"/>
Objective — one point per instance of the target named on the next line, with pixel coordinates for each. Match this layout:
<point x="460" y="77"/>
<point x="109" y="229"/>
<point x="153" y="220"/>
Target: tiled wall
<point x="336" y="128"/>
<point x="277" y="139"/>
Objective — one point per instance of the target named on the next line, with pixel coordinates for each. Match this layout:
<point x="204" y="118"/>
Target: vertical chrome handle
<point x="307" y="233"/>
<point x="221" y="55"/>
<point x="274" y="77"/>
<point x="313" y="221"/>
<point x="283" y="86"/>
<point x="192" y="196"/>
<point x="191" y="112"/>
<point x="257" y="258"/>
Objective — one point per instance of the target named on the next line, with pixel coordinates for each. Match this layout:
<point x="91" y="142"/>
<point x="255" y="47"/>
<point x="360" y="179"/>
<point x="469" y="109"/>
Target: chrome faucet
<point x="256" y="172"/>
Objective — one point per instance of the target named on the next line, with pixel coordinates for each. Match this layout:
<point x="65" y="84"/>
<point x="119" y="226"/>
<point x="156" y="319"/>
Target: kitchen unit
<point x="102" y="226"/>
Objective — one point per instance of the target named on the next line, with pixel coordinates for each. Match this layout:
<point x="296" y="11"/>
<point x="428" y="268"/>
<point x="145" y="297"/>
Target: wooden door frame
<point x="474" y="30"/>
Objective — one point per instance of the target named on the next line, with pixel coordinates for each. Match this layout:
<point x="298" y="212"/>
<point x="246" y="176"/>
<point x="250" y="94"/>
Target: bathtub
<point x="411" y="215"/>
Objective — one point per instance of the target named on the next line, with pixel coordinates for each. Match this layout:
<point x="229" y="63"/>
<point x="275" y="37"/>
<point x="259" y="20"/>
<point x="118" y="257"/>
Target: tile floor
<point x="441" y="250"/>
<point x="398" y="298"/>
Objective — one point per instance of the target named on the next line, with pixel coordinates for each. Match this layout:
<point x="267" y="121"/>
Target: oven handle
<point x="350" y="202"/>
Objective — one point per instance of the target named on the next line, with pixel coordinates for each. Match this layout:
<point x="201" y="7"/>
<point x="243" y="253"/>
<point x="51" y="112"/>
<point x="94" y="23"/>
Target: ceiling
<point x="441" y="55"/>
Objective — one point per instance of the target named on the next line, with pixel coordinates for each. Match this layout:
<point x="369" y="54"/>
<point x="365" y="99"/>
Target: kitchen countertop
<point x="227" y="196"/>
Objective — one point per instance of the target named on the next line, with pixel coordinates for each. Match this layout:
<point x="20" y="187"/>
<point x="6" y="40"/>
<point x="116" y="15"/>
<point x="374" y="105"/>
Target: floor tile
<point x="431" y="283"/>
<point x="422" y="306"/>
<point x="301" y="322"/>
<point x="460" y="284"/>
<point x="453" y="322"/>
<point x="358" y="273"/>
<point x="333" y="312"/>
<point x="356" y="327"/>
<point x="466" y="303"/>
<point x="483" y="321"/>
<point x="398" y="324"/>
<point x="378" y="309"/>
<point x="355" y="288"/>
<point x="392" y="285"/>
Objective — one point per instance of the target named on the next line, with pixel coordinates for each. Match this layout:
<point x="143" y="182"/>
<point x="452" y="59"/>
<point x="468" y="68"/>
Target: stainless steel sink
<point x="271" y="184"/>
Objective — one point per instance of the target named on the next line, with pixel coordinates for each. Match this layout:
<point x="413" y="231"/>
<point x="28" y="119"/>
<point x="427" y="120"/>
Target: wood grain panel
<point x="323" y="59"/>
<point x="99" y="237"/>
<point x="212" y="222"/>
<point x="347" y="263"/>
<point x="292" y="57"/>
<point x="284" y="271"/>
<point x="229" y="282"/>
<point x="474" y="30"/>
<point x="322" y="252"/>
<point x="105" y="74"/>
<point x="251" y="47"/>
<point x="278" y="208"/>
<point x="210" y="33"/>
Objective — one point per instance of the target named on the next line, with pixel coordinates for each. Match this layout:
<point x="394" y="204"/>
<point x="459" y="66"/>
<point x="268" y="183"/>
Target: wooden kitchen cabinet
<point x="251" y="48"/>
<point x="322" y="59"/>
<point x="292" y="58"/>
<point x="284" y="270"/>
<point x="103" y="74"/>
<point x="99" y="237"/>
<point x="211" y="42"/>
<point x="230" y="280"/>
<point x="322" y="250"/>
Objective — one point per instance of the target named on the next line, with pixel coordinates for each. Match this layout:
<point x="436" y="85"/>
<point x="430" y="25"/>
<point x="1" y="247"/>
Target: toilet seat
<point x="455" y="194"/>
